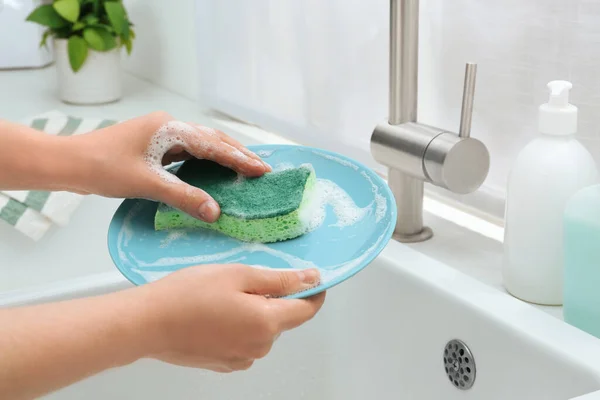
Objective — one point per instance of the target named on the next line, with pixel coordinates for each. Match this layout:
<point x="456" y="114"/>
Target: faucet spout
<point x="404" y="61"/>
<point x="417" y="153"/>
<point x="403" y="99"/>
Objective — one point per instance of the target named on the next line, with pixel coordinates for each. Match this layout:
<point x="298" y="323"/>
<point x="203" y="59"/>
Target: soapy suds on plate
<point x="171" y="237"/>
<point x="380" y="202"/>
<point x="283" y="167"/>
<point x="338" y="160"/>
<point x="265" y="153"/>
<point x="328" y="273"/>
<point x="326" y="193"/>
<point x="293" y="261"/>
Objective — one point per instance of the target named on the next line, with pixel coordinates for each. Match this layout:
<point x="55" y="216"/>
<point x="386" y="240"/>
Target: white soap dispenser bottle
<point x="546" y="173"/>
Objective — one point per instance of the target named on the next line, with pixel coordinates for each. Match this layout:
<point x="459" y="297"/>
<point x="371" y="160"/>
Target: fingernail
<point x="208" y="211"/>
<point x="267" y="166"/>
<point x="309" y="276"/>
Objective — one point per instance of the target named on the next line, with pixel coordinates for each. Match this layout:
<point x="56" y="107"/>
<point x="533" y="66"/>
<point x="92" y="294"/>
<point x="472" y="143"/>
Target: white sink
<point x="380" y="335"/>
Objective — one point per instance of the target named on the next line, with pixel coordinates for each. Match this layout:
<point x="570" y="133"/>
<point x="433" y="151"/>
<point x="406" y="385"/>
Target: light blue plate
<point x="339" y="247"/>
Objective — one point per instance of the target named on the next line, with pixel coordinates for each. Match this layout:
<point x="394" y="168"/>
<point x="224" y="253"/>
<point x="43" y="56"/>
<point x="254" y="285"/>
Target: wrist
<point x="71" y="166"/>
<point x="132" y="328"/>
<point x="56" y="164"/>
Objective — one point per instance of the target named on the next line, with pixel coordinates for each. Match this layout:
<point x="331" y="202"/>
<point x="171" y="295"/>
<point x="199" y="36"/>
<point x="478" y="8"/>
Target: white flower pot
<point x="97" y="81"/>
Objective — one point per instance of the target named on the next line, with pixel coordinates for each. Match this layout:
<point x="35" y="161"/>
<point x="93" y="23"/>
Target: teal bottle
<point x="581" y="304"/>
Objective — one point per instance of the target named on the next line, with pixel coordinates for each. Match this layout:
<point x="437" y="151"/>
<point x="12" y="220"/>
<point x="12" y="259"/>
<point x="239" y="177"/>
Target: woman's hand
<point x="211" y="317"/>
<point x="218" y="318"/>
<point x="127" y="159"/>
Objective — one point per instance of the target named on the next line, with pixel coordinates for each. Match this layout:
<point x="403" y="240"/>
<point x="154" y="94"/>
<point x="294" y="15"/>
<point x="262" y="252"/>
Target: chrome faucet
<point x="417" y="153"/>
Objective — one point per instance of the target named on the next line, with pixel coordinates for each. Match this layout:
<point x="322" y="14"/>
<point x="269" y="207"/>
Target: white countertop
<point x="79" y="249"/>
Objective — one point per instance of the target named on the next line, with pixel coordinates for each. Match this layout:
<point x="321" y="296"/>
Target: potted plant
<point x="88" y="37"/>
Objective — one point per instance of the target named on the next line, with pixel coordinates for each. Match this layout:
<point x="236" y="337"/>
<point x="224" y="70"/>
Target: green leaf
<point x="125" y="34"/>
<point x="78" y="51"/>
<point x="90" y="19"/>
<point x="116" y="15"/>
<point x="47" y="33"/>
<point x="99" y="39"/>
<point x="132" y="33"/>
<point x="46" y="15"/>
<point x="68" y="9"/>
<point x="107" y="28"/>
<point x="94" y="39"/>
<point x="77" y="26"/>
<point x="128" y="45"/>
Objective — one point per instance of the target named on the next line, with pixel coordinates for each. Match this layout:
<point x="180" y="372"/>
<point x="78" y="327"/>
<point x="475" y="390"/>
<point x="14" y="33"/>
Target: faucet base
<point x="422" y="236"/>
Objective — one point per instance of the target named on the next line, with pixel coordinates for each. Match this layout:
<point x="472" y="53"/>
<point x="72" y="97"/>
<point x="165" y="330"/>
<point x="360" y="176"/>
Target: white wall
<point x="164" y="51"/>
<point x="317" y="70"/>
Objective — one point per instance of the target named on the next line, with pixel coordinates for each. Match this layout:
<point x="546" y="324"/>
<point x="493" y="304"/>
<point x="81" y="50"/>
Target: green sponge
<point x="265" y="209"/>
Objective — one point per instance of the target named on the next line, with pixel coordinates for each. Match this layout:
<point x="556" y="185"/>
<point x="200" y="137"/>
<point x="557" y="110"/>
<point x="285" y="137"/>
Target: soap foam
<point x="338" y="160"/>
<point x="328" y="193"/>
<point x="328" y="273"/>
<point x="293" y="261"/>
<point x="380" y="201"/>
<point x="171" y="134"/>
<point x="265" y="153"/>
<point x="172" y="236"/>
<point x="207" y="130"/>
<point x="196" y="140"/>
<point x="284" y="166"/>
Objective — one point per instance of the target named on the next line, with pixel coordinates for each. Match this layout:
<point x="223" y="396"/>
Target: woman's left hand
<point x="127" y="159"/>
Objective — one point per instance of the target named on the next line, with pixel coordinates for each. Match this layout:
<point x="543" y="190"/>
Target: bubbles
<point x="207" y="131"/>
<point x="338" y="160"/>
<point x="239" y="179"/>
<point x="345" y="209"/>
<point x="171" y="237"/>
<point x="224" y="257"/>
<point x="283" y="167"/>
<point x="265" y="153"/>
<point x="238" y="155"/>
<point x="173" y="133"/>
<point x="380" y="202"/>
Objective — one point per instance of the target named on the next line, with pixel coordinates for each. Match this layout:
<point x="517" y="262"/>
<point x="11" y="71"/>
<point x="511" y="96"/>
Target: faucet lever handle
<point x="466" y="113"/>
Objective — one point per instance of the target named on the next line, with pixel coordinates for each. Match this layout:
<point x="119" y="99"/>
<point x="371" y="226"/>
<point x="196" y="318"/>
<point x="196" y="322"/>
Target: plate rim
<point x="386" y="235"/>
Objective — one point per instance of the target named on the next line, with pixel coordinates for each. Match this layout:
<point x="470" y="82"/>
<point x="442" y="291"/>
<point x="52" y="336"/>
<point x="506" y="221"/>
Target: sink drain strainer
<point x="459" y="364"/>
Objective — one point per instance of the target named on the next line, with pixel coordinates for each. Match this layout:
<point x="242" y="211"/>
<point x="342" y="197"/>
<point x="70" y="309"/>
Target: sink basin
<point x="380" y="335"/>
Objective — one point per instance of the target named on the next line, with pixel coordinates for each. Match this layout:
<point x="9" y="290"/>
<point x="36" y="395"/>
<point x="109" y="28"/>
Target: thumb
<point x="189" y="199"/>
<point x="279" y="283"/>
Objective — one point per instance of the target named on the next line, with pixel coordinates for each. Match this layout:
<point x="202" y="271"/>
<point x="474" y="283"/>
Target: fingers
<point x="191" y="200"/>
<point x="232" y="142"/>
<point x="279" y="283"/>
<point x="287" y="313"/>
<point x="291" y="313"/>
<point x="227" y="155"/>
<point x="217" y="146"/>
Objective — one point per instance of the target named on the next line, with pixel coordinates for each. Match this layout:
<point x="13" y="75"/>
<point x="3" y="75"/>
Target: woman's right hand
<point x="223" y="317"/>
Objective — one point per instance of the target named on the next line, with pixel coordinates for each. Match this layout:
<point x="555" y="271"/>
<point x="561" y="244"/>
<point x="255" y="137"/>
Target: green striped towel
<point x="34" y="212"/>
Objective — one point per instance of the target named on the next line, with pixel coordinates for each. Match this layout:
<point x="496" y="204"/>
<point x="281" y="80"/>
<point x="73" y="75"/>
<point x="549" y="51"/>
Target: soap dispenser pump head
<point x="559" y="93"/>
<point x="558" y="116"/>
